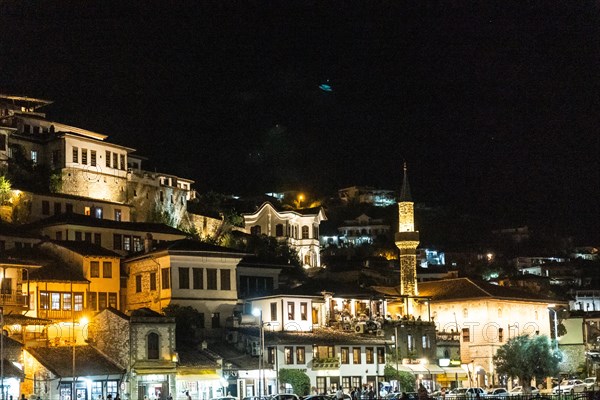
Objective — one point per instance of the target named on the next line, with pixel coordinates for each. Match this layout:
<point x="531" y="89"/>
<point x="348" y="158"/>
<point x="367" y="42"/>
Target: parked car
<point x="497" y="392"/>
<point x="518" y="391"/>
<point x="470" y="393"/>
<point x="320" y="397"/>
<point x="285" y="396"/>
<point x="569" y="386"/>
<point x="224" y="398"/>
<point x="398" y="396"/>
<point x="256" y="398"/>
<point x="590" y="383"/>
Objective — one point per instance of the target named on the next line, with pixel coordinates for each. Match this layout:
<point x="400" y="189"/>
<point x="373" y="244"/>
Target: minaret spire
<point x="405" y="191"/>
<point x="407" y="240"/>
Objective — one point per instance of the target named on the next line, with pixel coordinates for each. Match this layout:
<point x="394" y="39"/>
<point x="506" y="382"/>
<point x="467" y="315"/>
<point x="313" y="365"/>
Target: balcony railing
<point x="13" y="298"/>
<point x="60" y="314"/>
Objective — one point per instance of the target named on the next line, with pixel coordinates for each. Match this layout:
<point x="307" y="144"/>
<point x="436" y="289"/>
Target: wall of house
<point x="284" y="307"/>
<point x="109" y="333"/>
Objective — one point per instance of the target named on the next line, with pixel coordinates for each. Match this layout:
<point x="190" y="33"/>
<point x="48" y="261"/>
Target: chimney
<point x="148" y="243"/>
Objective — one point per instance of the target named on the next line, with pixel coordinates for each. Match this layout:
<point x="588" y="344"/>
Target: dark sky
<point x="494" y="106"/>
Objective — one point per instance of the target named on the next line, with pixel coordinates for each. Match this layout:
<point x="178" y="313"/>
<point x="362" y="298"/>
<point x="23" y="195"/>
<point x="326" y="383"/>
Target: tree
<point x="526" y="357"/>
<point x="297" y="378"/>
<point x="5" y="190"/>
<point x="406" y="380"/>
<point x="187" y="322"/>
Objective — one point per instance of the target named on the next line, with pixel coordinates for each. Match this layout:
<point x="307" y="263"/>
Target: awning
<point x="453" y="372"/>
<point x="425" y="369"/>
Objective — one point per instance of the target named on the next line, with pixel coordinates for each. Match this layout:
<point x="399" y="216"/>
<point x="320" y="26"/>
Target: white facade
<point x="300" y="228"/>
<point x="289" y="313"/>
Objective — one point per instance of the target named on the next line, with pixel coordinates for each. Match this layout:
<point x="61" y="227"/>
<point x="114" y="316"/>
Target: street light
<point x="257" y="312"/>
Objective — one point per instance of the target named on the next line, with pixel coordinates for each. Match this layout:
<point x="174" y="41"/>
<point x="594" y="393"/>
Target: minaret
<point x="407" y="240"/>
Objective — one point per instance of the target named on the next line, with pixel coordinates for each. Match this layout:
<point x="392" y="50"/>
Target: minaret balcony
<point x="407" y="237"/>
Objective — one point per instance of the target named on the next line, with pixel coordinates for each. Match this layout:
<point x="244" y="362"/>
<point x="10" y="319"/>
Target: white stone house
<point x="186" y="273"/>
<point x="300" y="228"/>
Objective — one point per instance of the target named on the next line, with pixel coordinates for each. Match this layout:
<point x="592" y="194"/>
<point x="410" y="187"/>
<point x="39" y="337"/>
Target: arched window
<point x="152" y="344"/>
<point x="255" y="230"/>
<point x="305" y="232"/>
<point x="279" y="230"/>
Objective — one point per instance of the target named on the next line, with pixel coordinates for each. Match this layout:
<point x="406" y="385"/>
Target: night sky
<point x="495" y="107"/>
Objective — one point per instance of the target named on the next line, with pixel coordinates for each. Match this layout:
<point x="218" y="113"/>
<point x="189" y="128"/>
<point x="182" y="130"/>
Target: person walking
<point x="422" y="392"/>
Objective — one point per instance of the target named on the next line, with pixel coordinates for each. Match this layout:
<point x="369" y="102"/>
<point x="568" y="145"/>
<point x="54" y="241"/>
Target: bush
<point x="297" y="378"/>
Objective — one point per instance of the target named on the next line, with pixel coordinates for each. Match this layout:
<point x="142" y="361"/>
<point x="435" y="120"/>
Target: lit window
<point x="305" y="232"/>
<point x="66" y="301"/>
<point x="87" y="210"/>
<point x="300" y="355"/>
<point x="34" y="156"/>
<point x="55" y="301"/>
<point x="304" y="311"/>
<point x="78" y="297"/>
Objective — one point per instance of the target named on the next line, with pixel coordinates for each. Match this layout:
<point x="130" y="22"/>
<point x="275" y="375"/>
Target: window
<point x="255" y="230"/>
<point x="75" y="155"/>
<point x="300" y="355"/>
<point x="93" y="158"/>
<point x="369" y="355"/>
<point x="410" y="342"/>
<point x="88" y="237"/>
<point x="216" y="320"/>
<point x="274" y="311"/>
<point x="58" y="235"/>
<point x="288" y="354"/>
<point x="290" y="310"/>
<point x="225" y="279"/>
<point x="465" y="313"/>
<point x="115" y="161"/>
<point x="69" y="208"/>
<point x="117" y="215"/>
<point x="102" y="301"/>
<point x="152" y="342"/>
<point x="122" y="159"/>
<point x="57" y="208"/>
<point x="425" y="342"/>
<point x="198" y="278"/>
<point x="356" y="355"/>
<point x="44" y="300"/>
<point x="117" y="242"/>
<point x="98" y="239"/>
<point x="94" y="269"/>
<point x="138" y="283"/>
<point x="305" y="232"/>
<point x="45" y="207"/>
<point x="108" y="158"/>
<point x="106" y="269"/>
<point x="98" y="212"/>
<point x="137" y="243"/>
<point x="66" y="301"/>
<point x="345" y="355"/>
<point x="112" y="300"/>
<point x="381" y="355"/>
<point x="165" y="276"/>
<point x="315" y="231"/>
<point x="500" y="335"/>
<point x="78" y="298"/>
<point x="55" y="301"/>
<point x="279" y="230"/>
<point x="184" y="278"/>
<point x="152" y="280"/>
<point x="211" y="279"/>
<point x="92" y="301"/>
<point x="34" y="156"/>
<point x="466" y="335"/>
<point x="127" y="243"/>
<point x="304" y="311"/>
<point x="346" y="383"/>
<point x="87" y="211"/>
<point x="356" y="381"/>
<point x="84" y="156"/>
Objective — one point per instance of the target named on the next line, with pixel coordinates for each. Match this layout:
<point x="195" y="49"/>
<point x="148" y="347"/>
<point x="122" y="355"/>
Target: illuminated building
<point x="299" y="228"/>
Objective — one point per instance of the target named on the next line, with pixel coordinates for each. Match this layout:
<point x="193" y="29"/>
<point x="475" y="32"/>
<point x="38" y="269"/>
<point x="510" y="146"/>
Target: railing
<point x="60" y="314"/>
<point x="14" y="298"/>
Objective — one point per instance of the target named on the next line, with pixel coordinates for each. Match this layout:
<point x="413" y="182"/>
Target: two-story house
<point x="185" y="273"/>
<point x="300" y="228"/>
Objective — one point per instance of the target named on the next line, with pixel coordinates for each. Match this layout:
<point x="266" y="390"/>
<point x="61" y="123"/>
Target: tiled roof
<point x="82" y="198"/>
<point x="11" y="371"/>
<point x="52" y="268"/>
<point x="194" y="245"/>
<point x="315" y="287"/>
<point x="85" y="248"/>
<point x="88" y="361"/>
<point x="465" y="288"/>
<point x="16" y="231"/>
<point x="85" y="220"/>
<point x="231" y="355"/>
<point x="195" y="358"/>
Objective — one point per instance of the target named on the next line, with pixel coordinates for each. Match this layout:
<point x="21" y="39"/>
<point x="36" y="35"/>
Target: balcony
<point x="14" y="298"/>
<point x="65" y="315"/>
